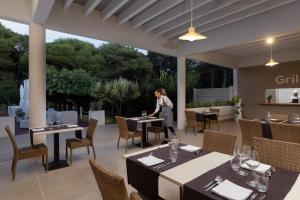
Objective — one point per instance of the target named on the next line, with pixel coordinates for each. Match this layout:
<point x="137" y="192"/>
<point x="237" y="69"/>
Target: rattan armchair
<point x="250" y="129"/>
<point x="135" y="196"/>
<point x="191" y="121"/>
<point x="111" y="186"/>
<point x="75" y="143"/>
<point x="26" y="152"/>
<point x="278" y="153"/>
<point x="124" y="133"/>
<point x="286" y="132"/>
<point x="156" y="128"/>
<point x="216" y="120"/>
<point x="219" y="142"/>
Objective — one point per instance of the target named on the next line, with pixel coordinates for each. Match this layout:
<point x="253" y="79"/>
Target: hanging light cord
<point x="191" y="13"/>
<point x="271" y="51"/>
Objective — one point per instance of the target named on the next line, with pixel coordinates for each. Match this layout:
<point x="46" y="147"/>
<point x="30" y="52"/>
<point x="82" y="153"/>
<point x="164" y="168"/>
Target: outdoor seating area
<point x="149" y="100"/>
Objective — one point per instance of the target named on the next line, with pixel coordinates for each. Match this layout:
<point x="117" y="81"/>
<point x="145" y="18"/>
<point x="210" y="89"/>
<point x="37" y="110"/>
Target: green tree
<point x="126" y="62"/>
<point x="9" y="92"/>
<point x="116" y="92"/>
<point x="75" y="54"/>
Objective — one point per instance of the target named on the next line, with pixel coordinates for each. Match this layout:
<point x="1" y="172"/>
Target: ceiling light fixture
<point x="192" y="35"/>
<point x="271" y="62"/>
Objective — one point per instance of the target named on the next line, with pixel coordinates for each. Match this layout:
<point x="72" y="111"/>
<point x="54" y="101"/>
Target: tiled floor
<point x="76" y="182"/>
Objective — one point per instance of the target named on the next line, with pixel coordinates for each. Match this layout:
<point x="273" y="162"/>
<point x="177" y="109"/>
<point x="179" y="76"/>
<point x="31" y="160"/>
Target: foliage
<point x="9" y="92"/>
<point x="70" y="82"/>
<point x="126" y="62"/>
<point x="235" y="100"/>
<point x="116" y="92"/>
<point x="197" y="104"/>
<point x="74" y="54"/>
<point x="269" y="98"/>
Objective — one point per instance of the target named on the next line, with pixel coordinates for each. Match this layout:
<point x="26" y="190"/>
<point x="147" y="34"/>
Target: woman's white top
<point x="163" y="100"/>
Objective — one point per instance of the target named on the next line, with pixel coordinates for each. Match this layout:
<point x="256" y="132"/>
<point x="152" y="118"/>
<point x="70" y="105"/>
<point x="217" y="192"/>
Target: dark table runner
<point x="280" y="183"/>
<point x="145" y="179"/>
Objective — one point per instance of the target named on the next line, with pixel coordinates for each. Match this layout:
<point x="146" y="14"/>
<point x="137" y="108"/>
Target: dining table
<point x="133" y="123"/>
<point x="205" y="116"/>
<point x="191" y="172"/>
<point x="56" y="130"/>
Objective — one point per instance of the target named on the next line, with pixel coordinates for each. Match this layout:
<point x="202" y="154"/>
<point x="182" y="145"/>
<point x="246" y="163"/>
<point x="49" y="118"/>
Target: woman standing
<point x="164" y="104"/>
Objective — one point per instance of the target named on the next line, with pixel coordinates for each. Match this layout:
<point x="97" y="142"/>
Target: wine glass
<point x="240" y="150"/>
<point x="252" y="161"/>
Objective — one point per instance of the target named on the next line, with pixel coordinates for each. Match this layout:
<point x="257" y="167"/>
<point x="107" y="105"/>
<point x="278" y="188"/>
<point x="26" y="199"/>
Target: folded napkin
<point x="189" y="148"/>
<point x="72" y="125"/>
<point x="150" y="160"/>
<point x="262" y="168"/>
<point x="38" y="129"/>
<point x="231" y="191"/>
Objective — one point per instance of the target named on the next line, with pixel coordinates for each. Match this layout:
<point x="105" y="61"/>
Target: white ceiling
<point x="170" y="18"/>
<point x="282" y="43"/>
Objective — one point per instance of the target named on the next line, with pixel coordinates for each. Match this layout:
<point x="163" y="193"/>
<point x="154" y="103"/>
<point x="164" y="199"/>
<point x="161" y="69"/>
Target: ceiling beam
<point x="67" y="4"/>
<point x="221" y="14"/>
<point x="173" y="13"/>
<point x="270" y="5"/>
<point x="134" y="9"/>
<point x="90" y="5"/>
<point x="112" y="7"/>
<point x="198" y="13"/>
<point x="41" y="10"/>
<point x="154" y="11"/>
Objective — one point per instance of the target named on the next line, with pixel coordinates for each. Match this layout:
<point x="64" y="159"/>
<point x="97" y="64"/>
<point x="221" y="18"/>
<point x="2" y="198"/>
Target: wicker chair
<point x="156" y="128"/>
<point x="111" y="186"/>
<point x="286" y="132"/>
<point x="75" y="143"/>
<point x="135" y="196"/>
<point x="280" y="117"/>
<point x="124" y="133"/>
<point x="214" y="121"/>
<point x="278" y="153"/>
<point x="219" y="142"/>
<point x="26" y="152"/>
<point x="191" y="121"/>
<point x="250" y="129"/>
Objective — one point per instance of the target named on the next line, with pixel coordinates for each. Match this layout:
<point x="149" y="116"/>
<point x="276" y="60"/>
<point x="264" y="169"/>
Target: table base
<point x="57" y="164"/>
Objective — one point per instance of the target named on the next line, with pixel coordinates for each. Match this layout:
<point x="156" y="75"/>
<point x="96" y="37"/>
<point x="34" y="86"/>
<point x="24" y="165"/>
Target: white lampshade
<point x="192" y="35"/>
<point x="271" y="63"/>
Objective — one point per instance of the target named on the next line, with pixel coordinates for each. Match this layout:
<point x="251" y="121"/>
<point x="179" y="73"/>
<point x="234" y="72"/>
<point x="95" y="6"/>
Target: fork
<point x="213" y="181"/>
<point x="220" y="180"/>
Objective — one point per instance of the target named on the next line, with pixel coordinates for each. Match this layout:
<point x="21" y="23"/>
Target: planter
<point x="226" y="112"/>
<point x="98" y="115"/>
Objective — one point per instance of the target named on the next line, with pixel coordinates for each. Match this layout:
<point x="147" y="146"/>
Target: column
<point x="181" y="92"/>
<point x="37" y="78"/>
<point x="235" y="81"/>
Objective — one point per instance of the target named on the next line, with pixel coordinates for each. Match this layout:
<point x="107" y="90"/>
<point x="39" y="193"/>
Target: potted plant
<point x="237" y="109"/>
<point x="269" y="98"/>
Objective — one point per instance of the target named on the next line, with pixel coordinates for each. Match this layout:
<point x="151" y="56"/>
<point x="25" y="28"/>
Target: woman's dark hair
<point x="158" y="90"/>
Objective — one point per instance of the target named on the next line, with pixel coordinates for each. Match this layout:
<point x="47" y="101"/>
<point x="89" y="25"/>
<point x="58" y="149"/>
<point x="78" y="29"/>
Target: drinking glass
<point x="268" y="116"/>
<point x="240" y="151"/>
<point x="144" y="114"/>
<point x="174" y="143"/>
<point x="252" y="161"/>
<point x="173" y="155"/>
<point x="261" y="181"/>
<point x="235" y="164"/>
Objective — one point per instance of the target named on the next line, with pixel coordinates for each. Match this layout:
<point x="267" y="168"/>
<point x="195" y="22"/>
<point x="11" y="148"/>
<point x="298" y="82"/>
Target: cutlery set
<point x="162" y="165"/>
<point x="219" y="180"/>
